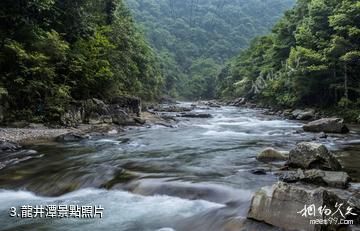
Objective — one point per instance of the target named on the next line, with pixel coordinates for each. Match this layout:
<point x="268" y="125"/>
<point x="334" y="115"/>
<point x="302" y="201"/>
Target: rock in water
<point x="317" y="177"/>
<point x="195" y="115"/>
<point x="285" y="206"/>
<point x="237" y="102"/>
<point x="328" y="125"/>
<point x="308" y="155"/>
<point x="6" y="146"/>
<point x="307" y="114"/>
<point x="270" y="154"/>
<point x="258" y="171"/>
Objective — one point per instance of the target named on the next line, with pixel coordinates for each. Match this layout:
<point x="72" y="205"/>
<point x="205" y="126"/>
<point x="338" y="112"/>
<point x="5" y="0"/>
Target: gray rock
<point x="6" y="146"/>
<point x="258" y="171"/>
<point x="283" y="204"/>
<point x="213" y="104"/>
<point x="309" y="155"/>
<point x="287" y="113"/>
<point x="73" y="116"/>
<point x="237" y="102"/>
<point x="322" y="135"/>
<point x="139" y="120"/>
<point x="131" y="105"/>
<point x="328" y="125"/>
<point x="316" y="177"/>
<point x="270" y="154"/>
<point x="195" y="115"/>
<point x="306" y="114"/>
<point x="120" y="110"/>
<point x="172" y="108"/>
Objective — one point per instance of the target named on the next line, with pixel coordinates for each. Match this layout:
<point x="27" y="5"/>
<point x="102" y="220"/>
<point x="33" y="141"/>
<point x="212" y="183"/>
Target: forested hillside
<point x="194" y="37"/>
<point x="56" y="51"/>
<point x="311" y="58"/>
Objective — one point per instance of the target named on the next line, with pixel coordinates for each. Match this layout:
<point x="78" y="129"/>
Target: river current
<point x="195" y="176"/>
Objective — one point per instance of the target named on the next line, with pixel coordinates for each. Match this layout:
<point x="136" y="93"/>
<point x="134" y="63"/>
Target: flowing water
<point x="195" y="176"/>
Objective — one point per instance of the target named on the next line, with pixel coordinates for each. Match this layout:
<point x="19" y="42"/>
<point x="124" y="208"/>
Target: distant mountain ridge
<point x="195" y="37"/>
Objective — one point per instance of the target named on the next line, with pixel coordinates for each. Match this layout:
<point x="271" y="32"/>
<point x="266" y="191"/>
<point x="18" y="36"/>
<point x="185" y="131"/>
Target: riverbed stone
<point x="328" y="125"/>
<point x="7" y="146"/>
<point x="316" y="177"/>
<point x="171" y="108"/>
<point x="283" y="205"/>
<point x="213" y="104"/>
<point x="237" y="102"/>
<point x="309" y="155"/>
<point x="306" y="114"/>
<point x="195" y="115"/>
<point x="130" y="104"/>
<point x="258" y="171"/>
<point x="270" y="154"/>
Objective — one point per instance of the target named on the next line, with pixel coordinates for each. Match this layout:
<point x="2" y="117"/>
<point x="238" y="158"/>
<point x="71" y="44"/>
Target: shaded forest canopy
<point x="194" y="38"/>
<point x="56" y="51"/>
<point x="311" y="58"/>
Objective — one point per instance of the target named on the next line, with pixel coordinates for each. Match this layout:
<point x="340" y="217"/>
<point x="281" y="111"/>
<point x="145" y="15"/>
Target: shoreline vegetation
<point x="311" y="59"/>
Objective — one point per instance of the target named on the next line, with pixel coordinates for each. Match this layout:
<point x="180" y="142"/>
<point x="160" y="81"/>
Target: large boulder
<point x="328" y="125"/>
<point x="270" y="154"/>
<point x="306" y="114"/>
<point x="123" y="119"/>
<point x="120" y="110"/>
<point x="316" y="177"/>
<point x="296" y="206"/>
<point x="309" y="155"/>
<point x="74" y="115"/>
<point x="96" y="112"/>
<point x="131" y="105"/>
<point x="7" y="146"/>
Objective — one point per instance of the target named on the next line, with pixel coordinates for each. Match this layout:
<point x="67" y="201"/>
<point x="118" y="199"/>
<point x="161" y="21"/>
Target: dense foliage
<point x="55" y="51"/>
<point x="195" y="37"/>
<point x="311" y="58"/>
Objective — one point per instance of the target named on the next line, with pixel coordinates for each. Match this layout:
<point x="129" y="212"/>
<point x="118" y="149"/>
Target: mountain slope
<point x="55" y="51"/>
<point x="195" y="37"/>
<point x="312" y="58"/>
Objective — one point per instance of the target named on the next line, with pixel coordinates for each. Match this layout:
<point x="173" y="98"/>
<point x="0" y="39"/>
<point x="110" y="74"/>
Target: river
<point x="195" y="176"/>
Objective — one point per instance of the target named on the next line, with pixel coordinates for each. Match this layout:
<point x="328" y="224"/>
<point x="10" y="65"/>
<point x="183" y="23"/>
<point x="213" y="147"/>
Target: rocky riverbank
<point x="303" y="114"/>
<point x="313" y="192"/>
<point x="91" y="116"/>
